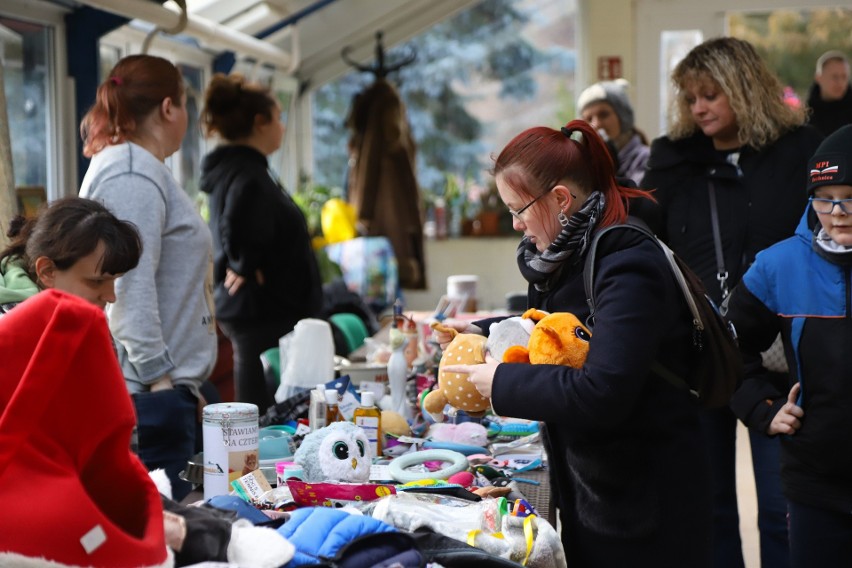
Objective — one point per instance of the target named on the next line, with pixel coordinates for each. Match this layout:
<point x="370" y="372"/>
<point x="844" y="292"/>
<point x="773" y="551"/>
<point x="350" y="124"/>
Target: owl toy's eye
<point x="361" y="447"/>
<point x="340" y="450"/>
<point x="582" y="334"/>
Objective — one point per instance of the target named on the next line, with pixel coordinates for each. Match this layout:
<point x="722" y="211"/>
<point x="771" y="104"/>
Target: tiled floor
<point x="746" y="500"/>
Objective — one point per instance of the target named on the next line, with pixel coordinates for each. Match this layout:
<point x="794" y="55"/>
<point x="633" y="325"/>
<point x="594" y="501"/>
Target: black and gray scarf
<point x="569" y="246"/>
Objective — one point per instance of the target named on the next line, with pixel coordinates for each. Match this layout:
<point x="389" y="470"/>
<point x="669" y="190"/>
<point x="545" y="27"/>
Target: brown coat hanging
<point x="382" y="182"/>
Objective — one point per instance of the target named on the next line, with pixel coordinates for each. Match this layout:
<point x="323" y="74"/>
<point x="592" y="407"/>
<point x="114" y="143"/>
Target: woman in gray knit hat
<point x="606" y="107"/>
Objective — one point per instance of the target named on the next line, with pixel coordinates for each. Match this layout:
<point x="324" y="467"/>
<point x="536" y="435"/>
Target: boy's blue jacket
<point x="805" y="295"/>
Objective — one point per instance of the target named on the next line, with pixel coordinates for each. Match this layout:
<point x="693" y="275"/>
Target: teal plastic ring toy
<point x="458" y="462"/>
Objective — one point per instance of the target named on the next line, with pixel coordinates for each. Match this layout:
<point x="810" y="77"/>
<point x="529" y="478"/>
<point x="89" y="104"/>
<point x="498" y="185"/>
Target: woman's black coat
<point x="257" y="226"/>
<point x="626" y="454"/>
<point x="759" y="202"/>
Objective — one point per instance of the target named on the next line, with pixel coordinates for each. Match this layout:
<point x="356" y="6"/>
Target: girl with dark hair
<point x="265" y="271"/>
<point x="736" y="153"/>
<point x="162" y="319"/>
<point x="75" y="245"/>
<point x="628" y="466"/>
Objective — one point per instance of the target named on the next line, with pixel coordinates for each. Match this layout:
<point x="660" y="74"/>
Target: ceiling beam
<point x="211" y="33"/>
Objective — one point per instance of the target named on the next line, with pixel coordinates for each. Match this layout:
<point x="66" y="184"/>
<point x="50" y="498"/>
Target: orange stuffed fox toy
<point x="557" y="339"/>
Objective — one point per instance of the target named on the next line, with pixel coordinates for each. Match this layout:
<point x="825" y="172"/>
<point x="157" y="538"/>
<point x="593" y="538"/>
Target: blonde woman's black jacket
<point x="759" y="202"/>
<point x="257" y="226"/>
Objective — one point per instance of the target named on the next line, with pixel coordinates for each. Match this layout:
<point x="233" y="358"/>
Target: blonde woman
<point x="732" y="141"/>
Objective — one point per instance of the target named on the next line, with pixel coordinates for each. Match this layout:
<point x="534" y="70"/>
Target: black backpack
<point x="718" y="367"/>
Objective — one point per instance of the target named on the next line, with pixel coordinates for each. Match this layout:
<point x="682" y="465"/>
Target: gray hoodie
<point x="163" y="316"/>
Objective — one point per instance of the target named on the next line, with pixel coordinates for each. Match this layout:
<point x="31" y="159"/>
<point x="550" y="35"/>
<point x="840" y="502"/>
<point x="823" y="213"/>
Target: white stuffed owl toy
<point x="337" y="452"/>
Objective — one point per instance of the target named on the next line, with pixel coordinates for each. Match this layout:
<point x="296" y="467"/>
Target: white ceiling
<point x="332" y="26"/>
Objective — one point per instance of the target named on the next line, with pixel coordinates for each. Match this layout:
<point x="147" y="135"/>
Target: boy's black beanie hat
<point x="830" y="164"/>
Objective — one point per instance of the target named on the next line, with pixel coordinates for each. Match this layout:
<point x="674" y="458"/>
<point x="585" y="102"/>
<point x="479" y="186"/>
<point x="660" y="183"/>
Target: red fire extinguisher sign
<point x="609" y="67"/>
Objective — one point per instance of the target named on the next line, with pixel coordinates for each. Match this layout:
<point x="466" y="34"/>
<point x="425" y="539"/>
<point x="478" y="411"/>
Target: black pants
<point x="166" y="425"/>
<point x="819" y="537"/>
<point x="720" y="429"/>
<point x="249" y="340"/>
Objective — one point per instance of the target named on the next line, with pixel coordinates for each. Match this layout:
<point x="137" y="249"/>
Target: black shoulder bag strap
<point x="589" y="266"/>
<point x="721" y="273"/>
<point x="588" y="283"/>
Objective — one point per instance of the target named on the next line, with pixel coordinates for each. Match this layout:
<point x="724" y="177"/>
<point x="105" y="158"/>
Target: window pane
<point x="187" y="168"/>
<point x="674" y="45"/>
<point x="23" y="49"/>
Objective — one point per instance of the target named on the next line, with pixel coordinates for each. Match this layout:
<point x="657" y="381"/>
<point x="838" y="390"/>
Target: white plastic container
<point x="307" y="357"/>
<point x="316" y="410"/>
<point x="230" y="431"/>
<point x="463" y="287"/>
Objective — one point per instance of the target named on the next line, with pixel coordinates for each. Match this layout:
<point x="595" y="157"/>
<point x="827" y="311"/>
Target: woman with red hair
<point x="162" y="318"/>
<point x="627" y="460"/>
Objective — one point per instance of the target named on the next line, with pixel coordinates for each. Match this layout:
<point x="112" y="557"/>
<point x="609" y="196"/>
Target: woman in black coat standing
<point x="734" y="151"/>
<point x="265" y="272"/>
<point x="629" y="472"/>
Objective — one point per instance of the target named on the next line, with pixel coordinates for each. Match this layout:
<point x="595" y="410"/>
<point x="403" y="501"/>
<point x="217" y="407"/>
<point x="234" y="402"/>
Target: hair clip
<point x="575" y="135"/>
<point x="116" y="81"/>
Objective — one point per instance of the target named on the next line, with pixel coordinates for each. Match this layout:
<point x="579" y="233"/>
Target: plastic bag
<point x="447" y="515"/>
<point x="307" y="357"/>
<point x="338" y="221"/>
<point x="369" y="269"/>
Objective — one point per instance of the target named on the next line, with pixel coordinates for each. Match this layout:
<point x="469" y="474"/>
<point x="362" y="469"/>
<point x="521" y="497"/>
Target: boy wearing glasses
<point x="802" y="287"/>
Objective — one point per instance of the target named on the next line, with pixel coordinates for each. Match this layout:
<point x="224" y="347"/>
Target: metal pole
<point x="8" y="201"/>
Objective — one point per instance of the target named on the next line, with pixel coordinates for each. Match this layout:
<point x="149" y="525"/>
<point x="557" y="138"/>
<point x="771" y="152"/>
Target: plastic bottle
<point x="332" y="412"/>
<point x="369" y="418"/>
<point x="440" y="218"/>
<point x="316" y="411"/>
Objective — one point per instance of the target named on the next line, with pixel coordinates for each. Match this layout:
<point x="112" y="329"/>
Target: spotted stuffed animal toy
<point x="454" y="388"/>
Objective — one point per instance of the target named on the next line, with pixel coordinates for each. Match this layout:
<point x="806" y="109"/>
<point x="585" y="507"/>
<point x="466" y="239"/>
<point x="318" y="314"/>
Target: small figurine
<point x="405" y="349"/>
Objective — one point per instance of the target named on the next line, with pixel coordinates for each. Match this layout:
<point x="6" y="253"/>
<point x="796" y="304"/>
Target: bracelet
<point x="398" y="465"/>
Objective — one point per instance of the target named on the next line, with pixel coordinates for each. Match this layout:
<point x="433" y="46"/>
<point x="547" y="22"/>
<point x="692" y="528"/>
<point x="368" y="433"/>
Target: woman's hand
<point x="233" y="282"/>
<point x="443" y="338"/>
<point x="787" y="421"/>
<point x="163" y="383"/>
<point x="482" y="375"/>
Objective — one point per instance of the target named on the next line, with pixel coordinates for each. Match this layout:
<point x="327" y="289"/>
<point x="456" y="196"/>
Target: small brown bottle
<point x="332" y="412"/>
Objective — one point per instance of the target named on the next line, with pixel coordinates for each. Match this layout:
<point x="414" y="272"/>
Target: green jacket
<point x="15" y="284"/>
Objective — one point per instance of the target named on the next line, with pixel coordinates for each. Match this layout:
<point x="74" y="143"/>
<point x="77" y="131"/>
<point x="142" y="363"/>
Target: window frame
<point x="61" y="139"/>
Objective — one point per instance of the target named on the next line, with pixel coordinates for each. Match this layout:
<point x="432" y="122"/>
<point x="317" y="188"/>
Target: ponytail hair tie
<point x="116" y="81"/>
<point x="575" y="135"/>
